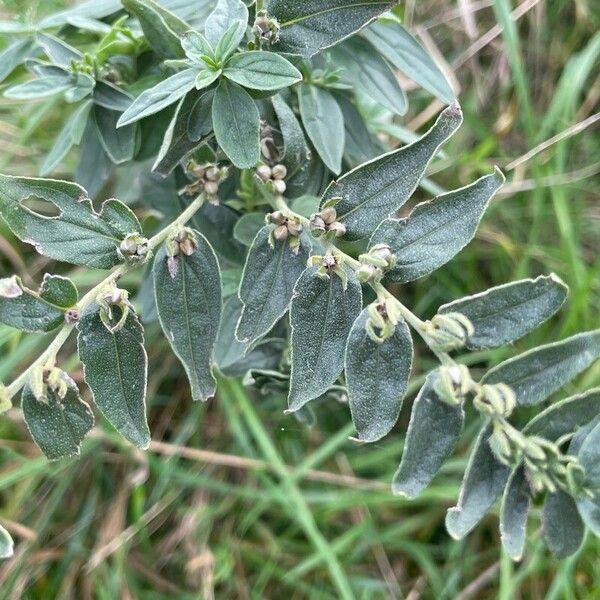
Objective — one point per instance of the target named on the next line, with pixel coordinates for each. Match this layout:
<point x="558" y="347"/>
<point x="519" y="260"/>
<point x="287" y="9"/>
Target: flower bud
<point x="449" y="331"/>
<point x="329" y="215"/>
<point x="212" y="173"/>
<point x="317" y="225"/>
<point x="72" y="316"/>
<point x="264" y="172"/>
<point x="211" y="188"/>
<point x="276" y="217"/>
<point x="294" y="227"/>
<point x="280" y="232"/>
<point x="134" y="246"/>
<point x="279" y="186"/>
<point x="279" y="171"/>
<point x="339" y="229"/>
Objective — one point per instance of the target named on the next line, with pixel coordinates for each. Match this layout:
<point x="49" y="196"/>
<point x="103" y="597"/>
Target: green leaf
<point x="230" y="40"/>
<point x="222" y="17"/>
<point x="57" y="425"/>
<point x="361" y="145"/>
<point x="14" y="55"/>
<point x="79" y="235"/>
<point x="308" y="26"/>
<point x="110" y="96"/>
<point x="562" y="525"/>
<point x="295" y="149"/>
<point x="507" y="312"/>
<point x="7" y="547"/>
<point x="160" y="96"/>
<point x="200" y="118"/>
<point x="195" y="45"/>
<point x="513" y="514"/>
<point x="188" y="298"/>
<point x="268" y="280"/>
<point x="483" y="482"/>
<point x="39" y="311"/>
<point x="432" y="434"/>
<point x="589" y="458"/>
<point x="321" y="314"/>
<point x="324" y="124"/>
<point x="178" y="142"/>
<point x="43" y="87"/>
<point x="365" y="70"/>
<point x="437" y="230"/>
<point x="228" y="349"/>
<point x="406" y="54"/>
<point x="115" y="368"/>
<point x="70" y="135"/>
<point x="261" y="70"/>
<point x="161" y="27"/>
<point x="248" y="226"/>
<point x="565" y="416"/>
<point x="373" y="191"/>
<point x="377" y="377"/>
<point x="236" y="122"/>
<point x="58" y="51"/>
<point x="536" y="374"/>
<point x="119" y="144"/>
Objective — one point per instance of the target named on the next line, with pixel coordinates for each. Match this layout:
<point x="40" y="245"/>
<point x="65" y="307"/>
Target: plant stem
<point x="48" y="355"/>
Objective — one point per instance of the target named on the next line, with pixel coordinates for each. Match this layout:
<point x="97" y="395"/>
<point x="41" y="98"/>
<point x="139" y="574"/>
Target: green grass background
<point x="237" y="500"/>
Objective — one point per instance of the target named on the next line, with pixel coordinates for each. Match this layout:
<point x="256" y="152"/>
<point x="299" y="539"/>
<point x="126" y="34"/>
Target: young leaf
<point x="236" y="122"/>
<point x="160" y="96"/>
<point x="110" y="96"/>
<point x="373" y="191"/>
<point x="222" y="17"/>
<point x="195" y="45"/>
<point x="41" y="311"/>
<point x="188" y="298"/>
<point x="115" y="368"/>
<point x="7" y="547"/>
<point x="377" y="376"/>
<point x="513" y="514"/>
<point x="433" y="431"/>
<point x="248" y="226"/>
<point x="406" y="54"/>
<point x="261" y="70"/>
<point x="538" y="373"/>
<point x="308" y="26"/>
<point x="44" y="87"/>
<point x="367" y="71"/>
<point x="57" y="425"/>
<point x="228" y="349"/>
<point x="507" y="312"/>
<point x="59" y="52"/>
<point x="70" y="135"/>
<point x="436" y="231"/>
<point x="79" y="235"/>
<point x="295" y="150"/>
<point x="119" y="144"/>
<point x="565" y="416"/>
<point x="14" y="55"/>
<point x="483" y="482"/>
<point x="200" y="117"/>
<point x="562" y="525"/>
<point x="230" y="41"/>
<point x="268" y="280"/>
<point x="321" y="314"/>
<point x="324" y="124"/>
<point x="161" y="27"/>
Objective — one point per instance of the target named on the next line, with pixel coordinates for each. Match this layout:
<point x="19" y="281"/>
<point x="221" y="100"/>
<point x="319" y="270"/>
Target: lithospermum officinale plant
<point x="244" y="126"/>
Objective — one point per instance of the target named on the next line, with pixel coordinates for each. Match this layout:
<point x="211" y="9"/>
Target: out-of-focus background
<point x="234" y="499"/>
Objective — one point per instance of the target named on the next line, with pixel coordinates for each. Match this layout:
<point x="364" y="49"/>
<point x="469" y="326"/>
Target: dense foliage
<point x="235" y="123"/>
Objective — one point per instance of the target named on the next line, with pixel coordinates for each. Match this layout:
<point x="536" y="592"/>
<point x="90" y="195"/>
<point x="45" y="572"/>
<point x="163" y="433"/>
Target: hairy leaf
<point x="200" y="117"/>
<point x="230" y="40"/>
<point x="513" y="514"/>
<point x="13" y="55"/>
<point x="507" y="312"/>
<point x="295" y="150"/>
<point x="373" y="191"/>
<point x="79" y="235"/>
<point x="321" y="315"/>
<point x="377" y="377"/>
<point x="57" y="425"/>
<point x="248" y="226"/>
<point x="562" y="525"/>
<point x="483" y="482"/>
<point x="270" y="274"/>
<point x="589" y="457"/>
<point x="236" y="122"/>
<point x="188" y="298"/>
<point x="361" y="145"/>
<point x="397" y="45"/>
<point x="58" y="51"/>
<point x="308" y="26"/>
<point x="41" y="311"/>
<point x="228" y="349"/>
<point x="222" y="17"/>
<point x="261" y="70"/>
<point x="119" y="144"/>
<point x="324" y="124"/>
<point x="115" y="369"/>
<point x="436" y="231"/>
<point x="110" y="96"/>
<point x="367" y="71"/>
<point x="43" y="87"/>
<point x="538" y="373"/>
<point x="160" y="96"/>
<point x="432" y="434"/>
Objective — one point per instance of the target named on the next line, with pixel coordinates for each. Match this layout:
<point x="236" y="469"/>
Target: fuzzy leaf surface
<point x="513" y="514"/>
<point x="259" y="70"/>
<point x="221" y="18"/>
<point x="562" y="526"/>
<point x="295" y="149"/>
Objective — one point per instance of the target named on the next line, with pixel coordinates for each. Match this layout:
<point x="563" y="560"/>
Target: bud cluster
<point x="55" y="381"/>
<point x="134" y="247"/>
<point x="383" y="318"/>
<point x="453" y="384"/>
<point x="113" y="297"/>
<point x="207" y="178"/>
<point x="265" y="29"/>
<point x="375" y="263"/>
<point x="328" y="264"/>
<point x="182" y="242"/>
<point x="273" y="177"/>
<point x="449" y="331"/>
<point x="326" y="223"/>
<point x="495" y="400"/>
